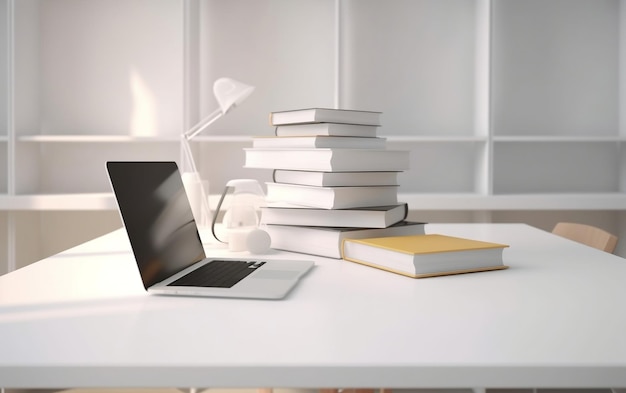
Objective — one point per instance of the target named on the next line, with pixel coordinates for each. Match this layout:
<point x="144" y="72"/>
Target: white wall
<point x="460" y="82"/>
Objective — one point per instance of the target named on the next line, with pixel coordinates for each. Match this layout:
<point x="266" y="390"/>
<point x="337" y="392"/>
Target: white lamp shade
<point x="230" y="93"/>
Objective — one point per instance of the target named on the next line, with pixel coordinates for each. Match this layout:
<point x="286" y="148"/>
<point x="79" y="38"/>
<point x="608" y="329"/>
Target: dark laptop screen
<point x="157" y="217"/>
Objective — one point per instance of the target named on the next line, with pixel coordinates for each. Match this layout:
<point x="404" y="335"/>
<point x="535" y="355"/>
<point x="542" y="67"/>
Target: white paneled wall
<point x="513" y="110"/>
<point x="413" y="60"/>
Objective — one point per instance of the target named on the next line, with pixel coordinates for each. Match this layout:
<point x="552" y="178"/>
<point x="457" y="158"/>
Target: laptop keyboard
<point x="218" y="274"/>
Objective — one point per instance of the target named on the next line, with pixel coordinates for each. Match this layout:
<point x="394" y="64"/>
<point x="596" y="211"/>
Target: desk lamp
<point x="229" y="93"/>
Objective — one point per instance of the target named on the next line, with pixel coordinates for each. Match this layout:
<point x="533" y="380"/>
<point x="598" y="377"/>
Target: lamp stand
<point x="195" y="187"/>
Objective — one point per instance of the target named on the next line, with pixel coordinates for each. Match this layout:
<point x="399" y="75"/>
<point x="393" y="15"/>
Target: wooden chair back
<point x="587" y="234"/>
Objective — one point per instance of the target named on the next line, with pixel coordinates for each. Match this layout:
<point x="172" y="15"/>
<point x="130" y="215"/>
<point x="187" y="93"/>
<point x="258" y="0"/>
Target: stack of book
<point x="334" y="179"/>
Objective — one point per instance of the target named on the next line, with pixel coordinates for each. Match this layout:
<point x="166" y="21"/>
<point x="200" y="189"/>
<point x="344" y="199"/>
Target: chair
<point x="586" y="234"/>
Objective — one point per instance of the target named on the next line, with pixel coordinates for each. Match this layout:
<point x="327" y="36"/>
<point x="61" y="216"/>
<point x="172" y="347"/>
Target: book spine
<point x="406" y="211"/>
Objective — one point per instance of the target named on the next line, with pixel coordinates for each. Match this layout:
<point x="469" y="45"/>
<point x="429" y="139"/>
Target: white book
<point x="363" y="217"/>
<point x="420" y="256"/>
<point x="318" y="141"/>
<point x="326" y="241"/>
<point x="329" y="129"/>
<point x="332" y="197"/>
<point x="325" y="115"/>
<point x="328" y="160"/>
<point x="330" y="179"/>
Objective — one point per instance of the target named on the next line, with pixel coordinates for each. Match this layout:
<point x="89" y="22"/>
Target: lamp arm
<point x="204" y="123"/>
<point x="187" y="156"/>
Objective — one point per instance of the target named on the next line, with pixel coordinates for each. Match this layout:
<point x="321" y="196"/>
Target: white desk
<point x="557" y="317"/>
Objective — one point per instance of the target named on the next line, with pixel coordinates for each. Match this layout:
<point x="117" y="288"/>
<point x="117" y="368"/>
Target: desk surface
<point x="556" y="317"/>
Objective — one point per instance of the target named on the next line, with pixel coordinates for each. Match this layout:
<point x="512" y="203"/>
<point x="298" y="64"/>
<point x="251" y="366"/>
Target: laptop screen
<point x="157" y="216"/>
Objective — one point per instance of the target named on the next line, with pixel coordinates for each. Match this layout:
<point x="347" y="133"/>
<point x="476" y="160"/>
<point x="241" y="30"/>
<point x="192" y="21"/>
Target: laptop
<point x="167" y="247"/>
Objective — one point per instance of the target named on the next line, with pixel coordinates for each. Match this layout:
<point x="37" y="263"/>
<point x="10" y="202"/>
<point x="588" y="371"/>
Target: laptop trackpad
<point x="276" y="274"/>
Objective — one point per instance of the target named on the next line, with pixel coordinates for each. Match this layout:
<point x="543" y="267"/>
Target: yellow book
<point x="420" y="256"/>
